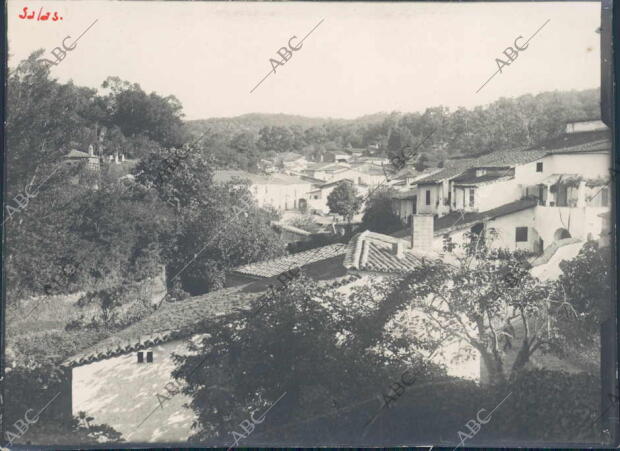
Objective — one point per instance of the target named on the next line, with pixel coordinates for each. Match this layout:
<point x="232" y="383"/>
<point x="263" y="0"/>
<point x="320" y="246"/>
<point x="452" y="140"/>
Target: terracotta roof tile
<point x="178" y="320"/>
<point x="277" y="266"/>
<point x="369" y="251"/>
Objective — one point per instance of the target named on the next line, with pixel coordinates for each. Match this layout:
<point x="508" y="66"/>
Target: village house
<point x="279" y="191"/>
<point x="336" y="156"/>
<point x="317" y="198"/>
<point x="90" y="160"/>
<point x="329" y="172"/>
<point x="291" y="161"/>
<point x="530" y="198"/>
<point x="126" y="380"/>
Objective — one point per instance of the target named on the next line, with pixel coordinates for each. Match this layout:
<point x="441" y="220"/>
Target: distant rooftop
<point x="223" y="176"/>
<point x="277" y="266"/>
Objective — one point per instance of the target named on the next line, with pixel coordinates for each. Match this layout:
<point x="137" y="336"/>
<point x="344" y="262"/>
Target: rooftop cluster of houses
<point x="536" y="200"/>
<point x="304" y="185"/>
<point x="530" y="197"/>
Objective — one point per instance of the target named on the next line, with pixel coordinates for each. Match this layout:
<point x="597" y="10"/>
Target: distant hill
<point x="253" y="122"/>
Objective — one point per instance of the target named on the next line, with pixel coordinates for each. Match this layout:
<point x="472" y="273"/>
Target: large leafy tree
<point x="344" y="201"/>
<point x="140" y="114"/>
<point x="488" y="301"/>
<point x="585" y="287"/>
<point x="378" y="214"/>
<point x="217" y="227"/>
<point x="335" y="355"/>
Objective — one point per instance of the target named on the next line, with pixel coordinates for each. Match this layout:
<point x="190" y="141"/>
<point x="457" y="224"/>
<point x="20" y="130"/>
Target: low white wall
<point x="121" y="392"/>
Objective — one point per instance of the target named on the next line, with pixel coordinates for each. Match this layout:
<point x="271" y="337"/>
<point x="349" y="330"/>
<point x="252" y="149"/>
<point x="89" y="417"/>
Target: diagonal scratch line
<point x="485" y="83"/>
<point x="310" y="32"/>
<point x="536" y="32"/>
<point x="84" y="32"/>
<point x="262" y="416"/>
<point x="273" y="70"/>
<point x="499" y="70"/>
<point x="49" y="402"/>
<point x="35" y="307"/>
<point x="259" y="83"/>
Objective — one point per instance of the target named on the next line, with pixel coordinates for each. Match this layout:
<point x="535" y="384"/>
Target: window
<point x="471" y="197"/>
<point x="521" y="234"/>
<point x="604" y="197"/>
<point x="140" y="357"/>
<point x="539" y="167"/>
<point x="428" y="197"/>
<point x="149" y="357"/>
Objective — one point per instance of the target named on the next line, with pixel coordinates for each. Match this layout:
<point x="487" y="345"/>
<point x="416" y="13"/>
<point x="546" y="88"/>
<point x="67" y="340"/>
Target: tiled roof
<point x="369" y="251"/>
<point x="502" y="158"/>
<point x="178" y="320"/>
<point x="277" y="266"/>
<point x="173" y="320"/>
<point x="470" y="178"/>
<point x="603" y="145"/>
<point x="443" y="174"/>
<point x="78" y="154"/>
<point x="223" y="176"/>
<point x="410" y="194"/>
<point x="579" y="141"/>
<point x="457" y="220"/>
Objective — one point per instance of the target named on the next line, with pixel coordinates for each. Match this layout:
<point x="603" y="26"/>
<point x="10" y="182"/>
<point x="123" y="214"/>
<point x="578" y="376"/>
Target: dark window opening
<point x="149" y="357"/>
<point x="471" y="197"/>
<point x="521" y="234"/>
<point x="539" y="167"/>
<point x="140" y="357"/>
<point x="428" y="197"/>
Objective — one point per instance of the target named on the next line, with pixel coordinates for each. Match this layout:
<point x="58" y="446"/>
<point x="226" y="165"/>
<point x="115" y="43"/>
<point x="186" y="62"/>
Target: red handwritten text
<point x="40" y="16"/>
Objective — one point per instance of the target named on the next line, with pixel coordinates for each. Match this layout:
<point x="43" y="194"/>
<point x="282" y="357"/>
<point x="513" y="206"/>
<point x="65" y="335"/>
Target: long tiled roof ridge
<point x="179" y="320"/>
<point x="171" y="321"/>
<point x="270" y="268"/>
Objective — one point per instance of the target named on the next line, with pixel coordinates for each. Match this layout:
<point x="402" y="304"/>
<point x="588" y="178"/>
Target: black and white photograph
<point x="303" y="224"/>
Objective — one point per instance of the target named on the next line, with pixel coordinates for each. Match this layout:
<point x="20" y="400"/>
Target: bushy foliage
<point x="504" y="124"/>
<point x="323" y="363"/>
<point x="585" y="288"/>
<point x="378" y="214"/>
<point x="344" y="201"/>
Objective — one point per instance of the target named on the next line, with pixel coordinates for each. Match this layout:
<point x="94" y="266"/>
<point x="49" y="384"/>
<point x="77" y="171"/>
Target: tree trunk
<point x="523" y="357"/>
<point x="494" y="369"/>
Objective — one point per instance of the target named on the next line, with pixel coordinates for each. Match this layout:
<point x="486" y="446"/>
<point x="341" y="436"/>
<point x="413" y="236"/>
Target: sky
<point x="363" y="58"/>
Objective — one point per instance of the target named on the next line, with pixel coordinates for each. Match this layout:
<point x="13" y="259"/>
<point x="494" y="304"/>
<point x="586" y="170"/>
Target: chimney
<point x="116" y="157"/>
<point x="91" y="151"/>
<point x="398" y="249"/>
<point x="422" y="228"/>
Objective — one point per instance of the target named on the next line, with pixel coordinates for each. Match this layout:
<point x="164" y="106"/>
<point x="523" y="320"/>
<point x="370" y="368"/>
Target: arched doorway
<point x="561" y="234"/>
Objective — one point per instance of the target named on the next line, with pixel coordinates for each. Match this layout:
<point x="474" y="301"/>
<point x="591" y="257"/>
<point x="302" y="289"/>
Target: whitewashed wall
<point x="121" y="392"/>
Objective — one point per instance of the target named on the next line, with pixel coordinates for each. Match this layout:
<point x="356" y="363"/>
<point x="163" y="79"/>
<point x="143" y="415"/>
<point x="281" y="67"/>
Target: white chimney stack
<point x="422" y="230"/>
<point x="398" y="249"/>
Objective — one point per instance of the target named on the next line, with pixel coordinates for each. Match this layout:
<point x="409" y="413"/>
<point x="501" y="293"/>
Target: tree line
<point x="519" y="122"/>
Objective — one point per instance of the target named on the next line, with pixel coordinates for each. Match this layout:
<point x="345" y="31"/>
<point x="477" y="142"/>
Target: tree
<point x="421" y="163"/>
<point x="378" y="214"/>
<point x="585" y="286"/>
<point x="140" y="114"/>
<point x="487" y="300"/>
<point x="321" y="366"/>
<point x="344" y="201"/>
